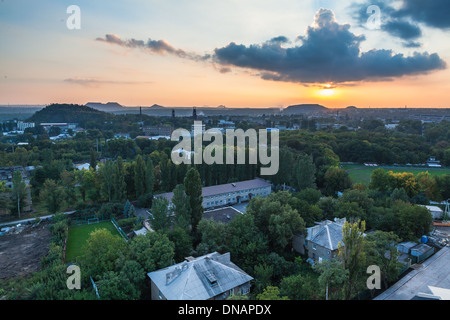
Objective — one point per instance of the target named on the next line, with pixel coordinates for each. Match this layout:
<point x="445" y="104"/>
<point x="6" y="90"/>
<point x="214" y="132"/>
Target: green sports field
<point x="361" y="173"/>
<point x="78" y="236"/>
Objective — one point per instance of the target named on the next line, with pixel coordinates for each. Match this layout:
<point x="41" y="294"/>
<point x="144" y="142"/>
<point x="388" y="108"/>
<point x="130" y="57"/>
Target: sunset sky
<point x="238" y="53"/>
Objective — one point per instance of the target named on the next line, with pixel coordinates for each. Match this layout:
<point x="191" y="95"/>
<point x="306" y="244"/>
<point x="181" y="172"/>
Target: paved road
<point x="26" y="221"/>
<point x="435" y="272"/>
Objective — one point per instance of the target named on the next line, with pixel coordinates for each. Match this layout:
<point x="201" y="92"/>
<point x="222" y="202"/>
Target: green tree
<point x="304" y="173"/>
<point x="68" y="184"/>
<point x="213" y="236"/>
<point x="119" y="184"/>
<point x="336" y="179"/>
<point x="180" y="208"/>
<point x="102" y="252"/>
<point x="263" y="276"/>
<point x="93" y="161"/>
<point x="149" y="176"/>
<point x="245" y="242"/>
<point x="106" y="173"/>
<point x="52" y="194"/>
<point x="443" y="184"/>
<point x="299" y="287"/>
<point x="399" y="195"/>
<point x="161" y="219"/>
<point x="91" y="185"/>
<point x="134" y="273"/>
<point x="271" y="294"/>
<point x="275" y="218"/>
<point x="193" y="189"/>
<point x="139" y="176"/>
<point x="311" y="196"/>
<point x="116" y="286"/>
<point x="413" y="221"/>
<point x="182" y="241"/>
<point x="383" y="253"/>
<point x="19" y="191"/>
<point x="153" y="251"/>
<point x="349" y="210"/>
<point x="332" y="278"/>
<point x="352" y="252"/>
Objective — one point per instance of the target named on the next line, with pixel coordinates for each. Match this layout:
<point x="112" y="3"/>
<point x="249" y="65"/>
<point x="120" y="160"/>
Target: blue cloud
<point x="329" y="53"/>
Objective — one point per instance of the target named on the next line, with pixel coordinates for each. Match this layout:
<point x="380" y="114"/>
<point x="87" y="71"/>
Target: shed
<point x="422" y="252"/>
<point x="405" y="247"/>
<point x="436" y="212"/>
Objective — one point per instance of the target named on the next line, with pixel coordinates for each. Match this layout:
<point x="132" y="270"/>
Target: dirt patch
<point x="20" y="254"/>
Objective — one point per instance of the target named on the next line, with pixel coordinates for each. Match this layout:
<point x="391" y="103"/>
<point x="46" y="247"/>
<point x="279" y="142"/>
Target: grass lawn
<point x="78" y="236"/>
<point x="361" y="173"/>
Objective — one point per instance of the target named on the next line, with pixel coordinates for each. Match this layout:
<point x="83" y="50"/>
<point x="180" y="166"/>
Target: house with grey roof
<point x="321" y="241"/>
<point x="210" y="277"/>
<point x="230" y="193"/>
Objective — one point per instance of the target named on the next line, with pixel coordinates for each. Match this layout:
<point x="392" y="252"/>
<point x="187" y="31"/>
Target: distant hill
<point x="305" y="109"/>
<point x="108" y="107"/>
<point x="157" y="106"/>
<point x="69" y="113"/>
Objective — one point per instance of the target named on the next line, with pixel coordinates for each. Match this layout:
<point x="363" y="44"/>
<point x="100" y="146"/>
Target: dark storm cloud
<point x="329" y="53"/>
<point x="412" y="44"/>
<point x="153" y="46"/>
<point x="391" y="21"/>
<point x="280" y="39"/>
<point x="403" y="22"/>
<point x="434" y="13"/>
<point x="403" y="29"/>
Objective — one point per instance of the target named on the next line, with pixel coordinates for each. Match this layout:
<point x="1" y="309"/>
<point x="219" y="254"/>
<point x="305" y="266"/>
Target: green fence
<point x="78" y="221"/>
<point x="119" y="229"/>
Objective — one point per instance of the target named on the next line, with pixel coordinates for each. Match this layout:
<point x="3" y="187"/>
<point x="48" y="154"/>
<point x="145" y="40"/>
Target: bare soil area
<point x="20" y="254"/>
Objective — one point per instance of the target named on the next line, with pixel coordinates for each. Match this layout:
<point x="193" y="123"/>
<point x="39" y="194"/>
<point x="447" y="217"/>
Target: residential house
<point x="210" y="277"/>
<point x="158" y="130"/>
<point x="321" y="241"/>
<point x="6" y="175"/>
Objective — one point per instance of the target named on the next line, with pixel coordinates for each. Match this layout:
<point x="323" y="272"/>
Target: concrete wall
<point x="155" y="294"/>
<point x="232" y="198"/>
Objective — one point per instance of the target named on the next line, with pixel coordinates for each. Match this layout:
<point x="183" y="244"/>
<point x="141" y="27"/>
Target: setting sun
<point x="327" y="91"/>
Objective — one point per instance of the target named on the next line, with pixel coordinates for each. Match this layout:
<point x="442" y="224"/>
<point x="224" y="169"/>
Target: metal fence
<point x="119" y="229"/>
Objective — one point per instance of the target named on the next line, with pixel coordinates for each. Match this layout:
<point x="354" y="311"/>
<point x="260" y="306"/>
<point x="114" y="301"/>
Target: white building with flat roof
<point x="231" y="193"/>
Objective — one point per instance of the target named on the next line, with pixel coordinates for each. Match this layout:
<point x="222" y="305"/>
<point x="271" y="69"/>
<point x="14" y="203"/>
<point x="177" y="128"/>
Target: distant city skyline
<point x="255" y="54"/>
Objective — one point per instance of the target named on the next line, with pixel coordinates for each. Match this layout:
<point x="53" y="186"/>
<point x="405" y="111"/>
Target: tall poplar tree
<point x="139" y="176"/>
<point x="193" y="189"/>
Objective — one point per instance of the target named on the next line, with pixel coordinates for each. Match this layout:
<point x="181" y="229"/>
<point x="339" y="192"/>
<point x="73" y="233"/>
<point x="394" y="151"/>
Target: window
<point x="245" y="290"/>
